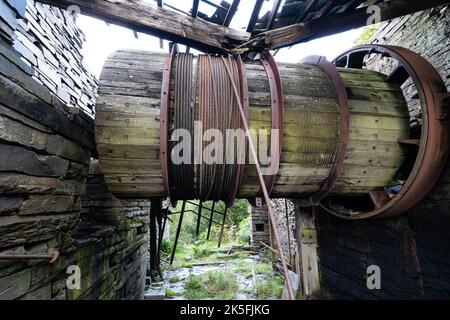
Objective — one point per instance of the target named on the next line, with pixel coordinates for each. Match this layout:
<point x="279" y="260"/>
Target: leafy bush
<point x="367" y="34"/>
<point x="235" y="215"/>
<point x="201" y="251"/>
<point x="166" y="246"/>
<point x="243" y="233"/>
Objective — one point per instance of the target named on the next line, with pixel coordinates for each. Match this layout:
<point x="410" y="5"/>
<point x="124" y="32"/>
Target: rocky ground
<point x="241" y="275"/>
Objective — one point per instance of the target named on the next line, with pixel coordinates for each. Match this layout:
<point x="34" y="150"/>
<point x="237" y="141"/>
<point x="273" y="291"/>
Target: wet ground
<point x="247" y="275"/>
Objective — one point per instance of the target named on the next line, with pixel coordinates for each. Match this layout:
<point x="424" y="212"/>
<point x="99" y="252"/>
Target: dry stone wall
<point x="285" y="224"/>
<point x="46" y="143"/>
<point x="50" y="45"/>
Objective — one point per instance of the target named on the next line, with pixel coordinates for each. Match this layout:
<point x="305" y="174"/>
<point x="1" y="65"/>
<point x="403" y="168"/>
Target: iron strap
<point x="243" y="90"/>
<point x="277" y="106"/>
<point x="341" y="150"/>
<point x="164" y="122"/>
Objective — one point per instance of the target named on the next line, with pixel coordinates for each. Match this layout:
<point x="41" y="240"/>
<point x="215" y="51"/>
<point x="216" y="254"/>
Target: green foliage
<point x="235" y="215"/>
<point x="170" y="293"/>
<point x="243" y="266"/>
<point x="173" y="279"/>
<point x="166" y="246"/>
<point x="239" y="255"/>
<point x="213" y="285"/>
<point x="193" y="283"/>
<point x="201" y="251"/>
<point x="269" y="287"/>
<point x="367" y="34"/>
<point x="243" y="231"/>
<point x="264" y="268"/>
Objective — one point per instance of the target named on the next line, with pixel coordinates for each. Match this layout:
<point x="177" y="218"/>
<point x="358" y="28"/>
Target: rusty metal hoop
<point x="164" y="121"/>
<point x="277" y="105"/>
<point x="243" y="89"/>
<point x="434" y="141"/>
<point x="339" y="86"/>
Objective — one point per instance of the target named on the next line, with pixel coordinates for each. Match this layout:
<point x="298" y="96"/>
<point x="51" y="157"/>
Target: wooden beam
<point x="255" y="15"/>
<point x="307" y="260"/>
<point x="195" y="5"/>
<point x="304" y="12"/>
<point x="301" y="32"/>
<point x="273" y="14"/>
<point x="231" y="13"/>
<point x="155" y="213"/>
<point x="210" y="220"/>
<point x="177" y="236"/>
<point x="146" y="17"/>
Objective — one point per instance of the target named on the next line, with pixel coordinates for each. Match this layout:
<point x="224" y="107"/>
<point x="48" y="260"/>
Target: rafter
<point x="300" y="32"/>
<point x="255" y="15"/>
<point x="231" y="12"/>
<point x="146" y="17"/>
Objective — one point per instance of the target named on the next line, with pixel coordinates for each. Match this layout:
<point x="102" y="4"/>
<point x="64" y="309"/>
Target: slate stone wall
<point x="50" y="44"/>
<point x="259" y="227"/>
<point x="286" y="225"/>
<point x="46" y="142"/>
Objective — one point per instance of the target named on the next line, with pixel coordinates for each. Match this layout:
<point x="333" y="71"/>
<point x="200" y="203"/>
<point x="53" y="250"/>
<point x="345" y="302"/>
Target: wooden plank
<point x="300" y="32"/>
<point x="146" y="17"/>
<point x="125" y="151"/>
<point x="6" y="14"/>
<point x="307" y="247"/>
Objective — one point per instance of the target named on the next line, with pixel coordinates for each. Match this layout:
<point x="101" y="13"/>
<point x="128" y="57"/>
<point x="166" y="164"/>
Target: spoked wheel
<point x="429" y="147"/>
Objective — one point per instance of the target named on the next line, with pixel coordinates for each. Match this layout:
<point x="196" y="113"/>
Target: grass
<point x="222" y="284"/>
<point x="264" y="268"/>
<point x="201" y="251"/>
<point x="173" y="279"/>
<point x="244" y="267"/>
<point x="269" y="287"/>
<point x="239" y="255"/>
<point x="212" y="285"/>
<point x="170" y="293"/>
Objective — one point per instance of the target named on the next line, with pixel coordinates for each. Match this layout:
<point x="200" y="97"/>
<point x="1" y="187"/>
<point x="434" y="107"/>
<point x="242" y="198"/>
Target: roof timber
<point x="146" y="17"/>
<point x="293" y="22"/>
<point x="305" y="31"/>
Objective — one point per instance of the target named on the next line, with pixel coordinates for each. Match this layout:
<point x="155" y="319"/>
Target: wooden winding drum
<point x="128" y="128"/>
